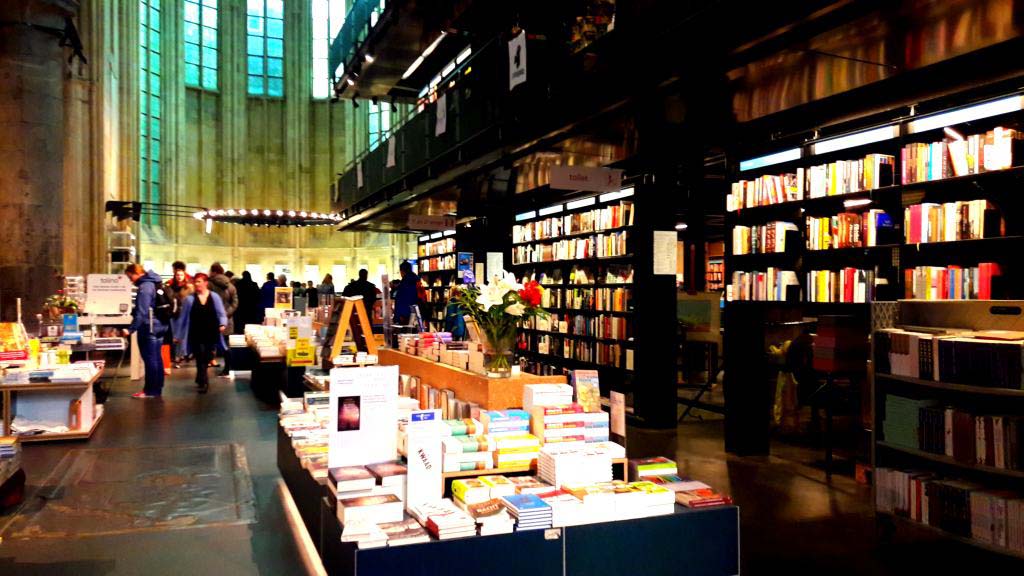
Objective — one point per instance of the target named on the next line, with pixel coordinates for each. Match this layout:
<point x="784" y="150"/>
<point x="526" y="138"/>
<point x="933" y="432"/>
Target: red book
<point x="914" y="235"/>
<point x="986" y="271"/>
<point x="849" y="278"/>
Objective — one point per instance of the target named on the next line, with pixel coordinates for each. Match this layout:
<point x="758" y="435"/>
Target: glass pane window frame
<point x="328" y="17"/>
<point x="201" y="44"/>
<point x="265" y="48"/>
<point x="150" y="106"/>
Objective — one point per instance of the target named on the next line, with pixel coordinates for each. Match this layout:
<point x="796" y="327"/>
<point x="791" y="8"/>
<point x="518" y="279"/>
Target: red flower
<point x="531" y="293"/>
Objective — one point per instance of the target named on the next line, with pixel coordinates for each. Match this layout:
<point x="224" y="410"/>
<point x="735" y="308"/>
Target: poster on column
<point x="423" y="480"/>
<point x="391" y="153"/>
<point x="364" y="414"/>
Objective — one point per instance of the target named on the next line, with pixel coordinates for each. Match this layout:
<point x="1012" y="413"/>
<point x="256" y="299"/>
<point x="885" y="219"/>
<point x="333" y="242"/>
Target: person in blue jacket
<point x="407" y="294"/>
<point x="203" y="323"/>
<point x="267" y="293"/>
<point x="150" y="329"/>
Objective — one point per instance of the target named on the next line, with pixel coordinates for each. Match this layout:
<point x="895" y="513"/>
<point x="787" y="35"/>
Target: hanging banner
<point x="584" y="178"/>
<point x="517" y="60"/>
<point x="391" y="153"/>
<point x="442" y="115"/>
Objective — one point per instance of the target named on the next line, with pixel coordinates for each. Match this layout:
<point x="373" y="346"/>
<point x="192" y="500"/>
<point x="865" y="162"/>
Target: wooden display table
<point x="489" y="393"/>
<point x="8" y="390"/>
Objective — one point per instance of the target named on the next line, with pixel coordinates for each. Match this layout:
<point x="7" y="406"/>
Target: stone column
<point x="31" y="153"/>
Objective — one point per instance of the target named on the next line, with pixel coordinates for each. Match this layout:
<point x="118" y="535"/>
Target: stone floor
<point x="793" y="519"/>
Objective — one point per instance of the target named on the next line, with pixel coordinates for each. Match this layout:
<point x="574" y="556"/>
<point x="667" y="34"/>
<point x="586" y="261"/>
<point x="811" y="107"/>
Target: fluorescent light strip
<point x="526" y="215"/>
<point x="551" y="210"/>
<point x="581" y="203"/>
<point x="435" y="235"/>
<point x="449" y="233"/>
<point x="856" y="202"/>
<point x="412" y="67"/>
<point x="624" y="193"/>
<point x="976" y="112"/>
<point x="425" y="237"/>
<point x="856" y="139"/>
<point x="463" y="55"/>
<point x="448" y="69"/>
<point x="777" y="158"/>
<point x="433" y="45"/>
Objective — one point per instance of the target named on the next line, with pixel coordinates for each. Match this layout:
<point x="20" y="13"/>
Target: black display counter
<point x="691" y="542"/>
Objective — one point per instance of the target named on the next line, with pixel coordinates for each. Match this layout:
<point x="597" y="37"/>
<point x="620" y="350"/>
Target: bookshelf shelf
<point x="571" y="361"/>
<point x="590" y="312"/>
<point x="422" y="272"/>
<point x="577" y="261"/>
<point x="983" y="390"/>
<point x="976" y="244"/>
<point x="942" y="459"/>
<point x="575" y="286"/>
<point x="579" y="337"/>
<point x="929" y="528"/>
<point x="571" y="236"/>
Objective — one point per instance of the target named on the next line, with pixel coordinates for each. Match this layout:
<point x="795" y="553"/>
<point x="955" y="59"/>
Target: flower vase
<point x="498" y="355"/>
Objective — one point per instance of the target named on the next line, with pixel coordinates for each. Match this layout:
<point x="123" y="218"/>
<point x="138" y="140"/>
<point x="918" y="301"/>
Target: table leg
<point x="829" y="383"/>
<point x="7" y="412"/>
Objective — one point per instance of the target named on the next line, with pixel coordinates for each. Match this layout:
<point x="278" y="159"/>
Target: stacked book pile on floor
<point x="965" y="509"/>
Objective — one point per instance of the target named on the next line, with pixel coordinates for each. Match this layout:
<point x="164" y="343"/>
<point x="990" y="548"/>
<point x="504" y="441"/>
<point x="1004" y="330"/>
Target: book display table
<point x="49" y="397"/>
<point x="693" y="542"/>
<point x="489" y="393"/>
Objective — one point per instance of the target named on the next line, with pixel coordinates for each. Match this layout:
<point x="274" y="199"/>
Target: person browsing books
<point x="150" y="327"/>
<point x="205" y="322"/>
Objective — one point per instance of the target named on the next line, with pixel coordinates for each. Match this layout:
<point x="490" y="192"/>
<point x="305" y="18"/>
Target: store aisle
<point x="228" y="414"/>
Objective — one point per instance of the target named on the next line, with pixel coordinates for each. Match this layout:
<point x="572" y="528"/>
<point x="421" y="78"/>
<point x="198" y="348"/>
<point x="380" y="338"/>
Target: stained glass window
<point x="328" y="16"/>
<point x="264" y="27"/>
<point x="149" y="104"/>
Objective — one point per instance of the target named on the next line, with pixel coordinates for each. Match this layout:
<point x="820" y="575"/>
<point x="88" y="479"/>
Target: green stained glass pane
<point x="143" y="81"/>
<point x="191" y="12"/>
<point x="143" y="168"/>
<point x="154" y="83"/>
<point x="191" y="53"/>
<point x="191" y="75"/>
<point x="154" y="17"/>
<point x="143" y="103"/>
<point x="154" y="196"/>
<point x="209" y="37"/>
<point x="154" y="171"/>
<point x="154" y="62"/>
<point x="143" y="34"/>
<point x="275" y="87"/>
<point x="210" y="17"/>
<point x="255" y="7"/>
<point x="275" y="28"/>
<point x="210" y="3"/>
<point x="275" y="48"/>
<point x="154" y="106"/>
<point x="143" y="56"/>
<point x="154" y="128"/>
<point x="142" y="147"/>
<point x="275" y="67"/>
<point x="143" y="124"/>
<point x="255" y="64"/>
<point x="255" y="85"/>
<point x="154" y="147"/>
<point x="142" y="12"/>
<point x="254" y="25"/>
<point x="154" y="40"/>
<point x="191" y="33"/>
<point x="210" y="78"/>
<point x="275" y="8"/>
<point x="255" y="45"/>
<point x="209" y="57"/>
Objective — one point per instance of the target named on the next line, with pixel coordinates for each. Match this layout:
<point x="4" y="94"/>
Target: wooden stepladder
<point x="362" y="333"/>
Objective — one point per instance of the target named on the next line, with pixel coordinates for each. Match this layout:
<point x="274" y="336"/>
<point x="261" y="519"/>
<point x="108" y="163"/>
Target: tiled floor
<point x="793" y="520"/>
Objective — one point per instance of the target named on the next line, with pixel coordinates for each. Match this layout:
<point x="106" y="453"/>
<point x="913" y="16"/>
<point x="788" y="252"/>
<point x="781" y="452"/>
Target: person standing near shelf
<point x="181" y="286"/>
<point x="362" y="287"/>
<point x="205" y="321"/>
<point x="150" y="328"/>
<point x="267" y="293"/>
<point x="406" y="295"/>
<point x="454" y="320"/>
<point x="221" y="285"/>
<point x="249" y="311"/>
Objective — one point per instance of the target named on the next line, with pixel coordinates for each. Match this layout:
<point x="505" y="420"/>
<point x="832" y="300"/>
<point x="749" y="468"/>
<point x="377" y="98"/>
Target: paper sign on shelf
<point x="391" y="153"/>
<point x="586" y="178"/>
<point x="364" y="413"/>
<point x="442" y="115"/>
<point x="665" y="252"/>
<point x="517" y="60"/>
<point x="108" y="294"/>
<point x="423" y="452"/>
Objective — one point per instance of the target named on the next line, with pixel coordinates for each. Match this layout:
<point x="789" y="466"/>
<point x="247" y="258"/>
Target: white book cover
<point x="364" y="414"/>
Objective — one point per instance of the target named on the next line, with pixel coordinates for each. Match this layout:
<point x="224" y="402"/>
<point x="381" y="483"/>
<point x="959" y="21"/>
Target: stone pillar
<point x="31" y="153"/>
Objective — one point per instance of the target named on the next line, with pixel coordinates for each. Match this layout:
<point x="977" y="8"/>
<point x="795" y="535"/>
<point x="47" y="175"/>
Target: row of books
<point x="951" y="282"/>
<point x="977" y="153"/>
<point x="605" y="354"/>
<point x="848" y="285"/>
<point x="442" y="246"/>
<point x="591" y="274"/>
<point x="438" y="263"/>
<point x="849" y="230"/>
<point x="769" y="238"/>
<point x="965" y="220"/>
<point x="596" y="220"/>
<point x="840" y="177"/>
<point x="569" y="425"/>
<point x="596" y="299"/>
<point x="597" y="246"/>
<point x="976" y="358"/>
<point x="986" y="440"/>
<point x="602" y="326"/>
<point x="965" y="509"/>
<point x="771" y="285"/>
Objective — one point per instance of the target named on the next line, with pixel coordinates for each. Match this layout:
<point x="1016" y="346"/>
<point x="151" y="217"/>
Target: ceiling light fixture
<point x="419" y="59"/>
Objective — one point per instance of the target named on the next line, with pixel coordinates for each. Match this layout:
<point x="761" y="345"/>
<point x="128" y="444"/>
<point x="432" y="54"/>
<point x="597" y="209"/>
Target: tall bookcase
<point x="581" y="251"/>
<point x="439" y="272"/>
<point x="914" y="402"/>
<point x="958" y="168"/>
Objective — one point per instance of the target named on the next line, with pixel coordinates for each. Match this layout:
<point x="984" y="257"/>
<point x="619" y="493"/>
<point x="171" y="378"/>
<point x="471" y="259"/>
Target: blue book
<point x="524" y="502"/>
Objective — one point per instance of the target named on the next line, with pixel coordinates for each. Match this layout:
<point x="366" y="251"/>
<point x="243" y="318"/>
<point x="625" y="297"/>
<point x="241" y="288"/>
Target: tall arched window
<point x="149" y="104"/>
<point x="265" y="47"/>
<point x="201" y="44"/>
<point x="328" y="16"/>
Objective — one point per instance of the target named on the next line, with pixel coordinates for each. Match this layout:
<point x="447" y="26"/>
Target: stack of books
<point x="516" y="451"/>
<point x="407" y="531"/>
<point x="374" y="509"/>
<point x="365" y="534"/>
<point x="642" y="468"/>
<point x="490" y="516"/>
<point x="389" y="477"/>
<point x="350" y="481"/>
<point x="563" y="464"/>
<point x="444" y="520"/>
<point x="643" y="499"/>
<point x="566" y="509"/>
<point x="529" y="485"/>
<point x="470" y="491"/>
<point x="528" y="510"/>
<point x="559" y="424"/>
<point x="505" y="422"/>
<point x="535" y="395"/>
<point x="499" y="485"/>
<point x="464" y="447"/>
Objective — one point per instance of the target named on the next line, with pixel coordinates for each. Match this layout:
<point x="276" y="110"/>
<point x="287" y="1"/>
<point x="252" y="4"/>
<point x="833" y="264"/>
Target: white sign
<point x="364" y="414"/>
<point x="108" y="294"/>
<point x="495" y="263"/>
<point x="590" y="179"/>
<point x="665" y="252"/>
<point x="442" y="115"/>
<point x="391" y="153"/>
<point x="359" y="174"/>
<point x="431" y="222"/>
<point x="423" y="481"/>
<point x="618" y="420"/>
<point x="517" y="60"/>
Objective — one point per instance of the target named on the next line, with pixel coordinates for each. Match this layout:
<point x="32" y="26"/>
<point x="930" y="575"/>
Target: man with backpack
<point x="155" y="306"/>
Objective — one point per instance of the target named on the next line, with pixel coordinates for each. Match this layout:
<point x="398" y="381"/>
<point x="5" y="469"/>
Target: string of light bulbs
<point x="267" y="217"/>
